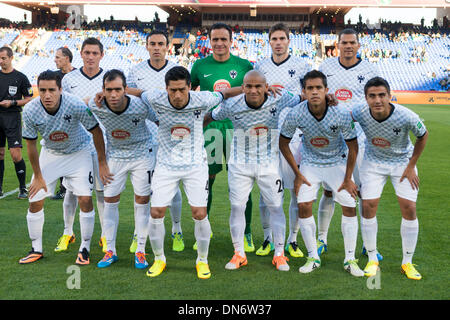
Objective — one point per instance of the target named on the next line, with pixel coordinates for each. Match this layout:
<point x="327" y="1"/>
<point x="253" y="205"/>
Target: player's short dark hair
<point x="377" y="82"/>
<point x="8" y="50"/>
<point x="50" y="75"/>
<point x="348" y="31"/>
<point x="156" y="32"/>
<point x="221" y="25"/>
<point x="178" y="73"/>
<point x="314" y="74"/>
<point x="113" y="74"/>
<point x="92" y="41"/>
<point x="66" y="53"/>
<point x="279" y="27"/>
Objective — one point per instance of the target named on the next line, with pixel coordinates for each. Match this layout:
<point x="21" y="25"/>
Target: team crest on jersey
<point x="319" y="142"/>
<point x="221" y="84"/>
<point x="179" y="132"/>
<point x="67" y="117"/>
<point x="58" y="136"/>
<point x="361" y="78"/>
<point x="273" y="111"/>
<point x="120" y="134"/>
<point x="197" y="113"/>
<point x="343" y="94"/>
<point x="233" y="74"/>
<point x="396" y="131"/>
<point x="380" y="142"/>
<point x="291" y="72"/>
<point x="259" y="130"/>
<point x="333" y="128"/>
<point x="136" y="121"/>
<point x="12" y="90"/>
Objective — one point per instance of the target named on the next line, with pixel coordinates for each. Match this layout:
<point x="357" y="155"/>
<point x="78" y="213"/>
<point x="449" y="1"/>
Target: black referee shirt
<point x="14" y="86"/>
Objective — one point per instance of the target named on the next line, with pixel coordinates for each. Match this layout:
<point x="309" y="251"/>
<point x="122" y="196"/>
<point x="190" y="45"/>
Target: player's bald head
<point x="253" y="75"/>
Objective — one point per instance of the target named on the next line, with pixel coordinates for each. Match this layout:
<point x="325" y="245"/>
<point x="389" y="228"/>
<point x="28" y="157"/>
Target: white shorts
<point x="165" y="184"/>
<point x="98" y="184"/>
<point x="331" y="178"/>
<point x="285" y="169"/>
<point x="76" y="168"/>
<point x="140" y="171"/>
<point x="374" y="176"/>
<point x="241" y="178"/>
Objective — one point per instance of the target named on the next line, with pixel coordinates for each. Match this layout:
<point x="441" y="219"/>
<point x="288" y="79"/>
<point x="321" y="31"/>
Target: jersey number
<point x="279" y="183"/>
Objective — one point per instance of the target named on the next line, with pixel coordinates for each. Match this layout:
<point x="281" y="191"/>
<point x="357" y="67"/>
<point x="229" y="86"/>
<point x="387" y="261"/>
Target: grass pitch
<point x="52" y="277"/>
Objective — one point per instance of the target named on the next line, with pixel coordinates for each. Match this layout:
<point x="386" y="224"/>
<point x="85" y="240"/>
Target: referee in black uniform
<point x="63" y="61"/>
<point x="15" y="92"/>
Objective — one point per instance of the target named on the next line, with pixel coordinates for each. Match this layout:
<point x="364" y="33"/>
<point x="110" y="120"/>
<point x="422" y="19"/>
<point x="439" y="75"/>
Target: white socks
<point x="308" y="231"/>
<point x="87" y="221"/>
<point x="100" y="207"/>
<point x="324" y="215"/>
<point x="175" y="212"/>
<point x="110" y="224"/>
<point x="294" y="224"/>
<point x="278" y="223"/>
<point x="349" y="228"/>
<point x="202" y="232"/>
<point x="70" y="204"/>
<point x="369" y="229"/>
<point x="142" y="214"/>
<point x="35" y="222"/>
<point x="265" y="220"/>
<point x="237" y="228"/>
<point x="409" y="231"/>
<point x="156" y="232"/>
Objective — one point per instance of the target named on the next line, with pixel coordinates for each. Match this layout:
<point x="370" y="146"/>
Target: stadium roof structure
<point x="258" y="3"/>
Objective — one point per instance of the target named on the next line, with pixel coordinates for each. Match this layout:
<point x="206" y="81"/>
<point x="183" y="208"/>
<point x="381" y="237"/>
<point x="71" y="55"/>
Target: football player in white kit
<point x="84" y="82"/>
<point x="283" y="70"/>
<point x="329" y="151"/>
<point x="63" y="121"/>
<point x="181" y="158"/>
<point x="129" y="152"/>
<point x="254" y="157"/>
<point x="389" y="154"/>
<point x="346" y="76"/>
<point x="148" y="75"/>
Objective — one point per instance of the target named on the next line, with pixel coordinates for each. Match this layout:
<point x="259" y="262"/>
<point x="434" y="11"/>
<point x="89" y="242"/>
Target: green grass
<point x="259" y="280"/>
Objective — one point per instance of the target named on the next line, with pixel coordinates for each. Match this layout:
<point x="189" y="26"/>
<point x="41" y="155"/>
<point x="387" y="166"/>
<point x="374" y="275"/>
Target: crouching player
<point x="60" y="118"/>
<point x="327" y="134"/>
<point x="389" y="153"/>
<point x="128" y="152"/>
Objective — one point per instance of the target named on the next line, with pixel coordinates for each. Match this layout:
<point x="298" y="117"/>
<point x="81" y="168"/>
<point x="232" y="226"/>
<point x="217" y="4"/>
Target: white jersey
<point x="180" y="132"/>
<point x="347" y="84"/>
<point x="126" y="132"/>
<point x="79" y="84"/>
<point x="63" y="132"/>
<point x="388" y="140"/>
<point x="323" y="139"/>
<point x="288" y="75"/>
<point x="256" y="131"/>
<point x="143" y="76"/>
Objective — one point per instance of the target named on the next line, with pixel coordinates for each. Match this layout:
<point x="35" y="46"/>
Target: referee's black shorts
<point x="11" y="129"/>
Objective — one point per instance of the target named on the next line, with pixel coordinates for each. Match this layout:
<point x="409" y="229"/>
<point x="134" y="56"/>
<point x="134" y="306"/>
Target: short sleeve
<point x="211" y="99"/>
<point x="86" y="116"/>
<point x="290" y="124"/>
<point x="288" y="100"/>
<point x="417" y="126"/>
<point x="131" y="79"/>
<point x="29" y="131"/>
<point x="348" y="125"/>
<point x="221" y="112"/>
<point x="26" y="89"/>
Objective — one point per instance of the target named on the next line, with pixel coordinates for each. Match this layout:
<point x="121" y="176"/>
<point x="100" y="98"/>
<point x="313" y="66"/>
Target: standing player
<point x="129" y="152"/>
<point x="63" y="61"/>
<point x="149" y="75"/>
<point x="254" y="157"/>
<point x="219" y="71"/>
<point x="327" y="132"/>
<point x="346" y="77"/>
<point x="62" y="120"/>
<point x="84" y="82"/>
<point x="181" y="158"/>
<point x="285" y="71"/>
<point x="389" y="153"/>
<point x="15" y="92"/>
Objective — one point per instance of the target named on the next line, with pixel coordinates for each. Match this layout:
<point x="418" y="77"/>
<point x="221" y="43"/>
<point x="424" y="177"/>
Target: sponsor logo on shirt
<point x="58" y="136"/>
<point x="179" y="132"/>
<point x="380" y="142"/>
<point x="12" y="90"/>
<point x="259" y="130"/>
<point x="319" y="142"/>
<point x="343" y="94"/>
<point x="221" y="84"/>
<point x="120" y="134"/>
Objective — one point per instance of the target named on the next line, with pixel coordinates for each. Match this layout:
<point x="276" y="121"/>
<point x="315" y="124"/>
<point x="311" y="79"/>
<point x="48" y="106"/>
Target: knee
<point x="141" y="199"/>
<point x="36" y="206"/>
<point x="85" y="203"/>
<point x="305" y="209"/>
<point x="2" y="153"/>
<point x="16" y="154"/>
<point x="408" y="209"/>
<point x="199" y="213"/>
<point x="328" y="194"/>
<point x="157" y="212"/>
